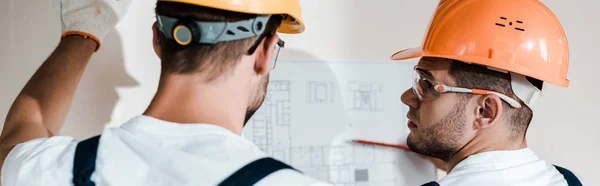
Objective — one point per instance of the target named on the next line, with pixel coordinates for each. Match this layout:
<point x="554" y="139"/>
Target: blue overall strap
<point x="85" y="161"/>
<point x="433" y="183"/>
<point x="254" y="172"/>
<point x="569" y="176"/>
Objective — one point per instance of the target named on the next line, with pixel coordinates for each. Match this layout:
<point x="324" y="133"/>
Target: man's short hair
<point x="480" y="77"/>
<point x="211" y="60"/>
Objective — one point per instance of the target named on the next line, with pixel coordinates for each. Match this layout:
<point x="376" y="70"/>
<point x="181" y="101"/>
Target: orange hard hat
<point x="519" y="36"/>
<point x="292" y="25"/>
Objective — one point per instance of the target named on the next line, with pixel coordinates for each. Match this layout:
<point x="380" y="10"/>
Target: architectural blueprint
<point x="313" y="109"/>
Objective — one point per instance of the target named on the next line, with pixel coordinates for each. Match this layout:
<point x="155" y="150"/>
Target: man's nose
<point x="410" y="99"/>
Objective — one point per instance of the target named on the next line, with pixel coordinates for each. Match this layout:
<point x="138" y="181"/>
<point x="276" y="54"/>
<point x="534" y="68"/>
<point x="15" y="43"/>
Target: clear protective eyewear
<point x="280" y="44"/>
<point x="426" y="89"/>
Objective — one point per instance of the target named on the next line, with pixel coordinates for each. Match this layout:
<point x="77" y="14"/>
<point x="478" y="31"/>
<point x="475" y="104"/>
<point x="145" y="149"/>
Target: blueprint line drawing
<point x="275" y="111"/>
<point x="342" y="165"/>
<point x="327" y="163"/>
<point x="283" y="112"/>
<point x="347" y="165"/>
<point x="365" y="96"/>
<point x="306" y="121"/>
<point x="281" y="103"/>
<point x="321" y="92"/>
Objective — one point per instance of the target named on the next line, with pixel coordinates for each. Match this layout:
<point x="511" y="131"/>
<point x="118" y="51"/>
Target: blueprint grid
<point x="312" y="109"/>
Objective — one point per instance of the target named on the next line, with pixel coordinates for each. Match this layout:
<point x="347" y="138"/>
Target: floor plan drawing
<point x="275" y="111"/>
<point x="344" y="165"/>
<point x="365" y="96"/>
<point x="305" y="123"/>
<point x="321" y="92"/>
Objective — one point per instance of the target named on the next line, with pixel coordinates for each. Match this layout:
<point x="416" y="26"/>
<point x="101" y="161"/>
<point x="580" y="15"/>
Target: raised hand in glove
<point x="91" y="18"/>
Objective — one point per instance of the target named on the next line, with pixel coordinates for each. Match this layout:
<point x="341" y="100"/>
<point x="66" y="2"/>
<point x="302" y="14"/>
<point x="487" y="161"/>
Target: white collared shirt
<point x="500" y="168"/>
<point x="144" y="151"/>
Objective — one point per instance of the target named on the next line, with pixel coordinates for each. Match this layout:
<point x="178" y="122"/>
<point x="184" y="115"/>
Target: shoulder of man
<point x="43" y="161"/>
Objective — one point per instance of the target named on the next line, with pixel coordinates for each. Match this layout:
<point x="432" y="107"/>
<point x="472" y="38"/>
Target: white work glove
<point x="91" y="18"/>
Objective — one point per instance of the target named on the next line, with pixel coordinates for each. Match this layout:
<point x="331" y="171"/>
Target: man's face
<point x="257" y="98"/>
<point x="437" y="122"/>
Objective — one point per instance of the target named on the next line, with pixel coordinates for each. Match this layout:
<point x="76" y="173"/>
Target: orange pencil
<point x="403" y="147"/>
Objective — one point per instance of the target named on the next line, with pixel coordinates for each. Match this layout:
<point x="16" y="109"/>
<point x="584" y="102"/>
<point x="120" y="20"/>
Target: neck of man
<point x="189" y="99"/>
<point x="491" y="139"/>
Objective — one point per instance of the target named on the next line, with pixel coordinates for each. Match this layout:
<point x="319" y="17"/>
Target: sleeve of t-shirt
<point x="290" y="178"/>
<point x="39" y="162"/>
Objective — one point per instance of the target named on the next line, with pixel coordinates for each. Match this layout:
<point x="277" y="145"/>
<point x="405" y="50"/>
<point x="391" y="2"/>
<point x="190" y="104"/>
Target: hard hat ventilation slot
<point x="499" y="24"/>
<point x="229" y="32"/>
<point x="242" y="29"/>
<point x="511" y="24"/>
<point x="519" y="29"/>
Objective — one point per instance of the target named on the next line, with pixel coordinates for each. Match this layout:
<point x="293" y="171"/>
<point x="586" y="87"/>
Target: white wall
<point x="122" y="78"/>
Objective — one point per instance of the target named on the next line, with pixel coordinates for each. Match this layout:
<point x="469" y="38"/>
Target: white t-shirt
<point x="145" y="151"/>
<point x="500" y="168"/>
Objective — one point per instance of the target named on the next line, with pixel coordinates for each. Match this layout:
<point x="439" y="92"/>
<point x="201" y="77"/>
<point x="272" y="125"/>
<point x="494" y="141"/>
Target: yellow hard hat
<point x="292" y="25"/>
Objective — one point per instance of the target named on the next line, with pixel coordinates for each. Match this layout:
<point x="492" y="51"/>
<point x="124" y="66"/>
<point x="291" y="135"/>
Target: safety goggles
<point x="426" y="89"/>
<point x="278" y="47"/>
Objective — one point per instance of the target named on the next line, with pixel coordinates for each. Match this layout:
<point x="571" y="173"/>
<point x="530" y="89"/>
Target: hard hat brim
<point x="418" y="52"/>
<point x="408" y="54"/>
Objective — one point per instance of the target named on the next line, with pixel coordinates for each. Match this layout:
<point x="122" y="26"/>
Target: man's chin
<point x="410" y="141"/>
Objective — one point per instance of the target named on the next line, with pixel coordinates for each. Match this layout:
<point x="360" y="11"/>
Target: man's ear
<point x="155" y="40"/>
<point x="263" y="55"/>
<point x="488" y="111"/>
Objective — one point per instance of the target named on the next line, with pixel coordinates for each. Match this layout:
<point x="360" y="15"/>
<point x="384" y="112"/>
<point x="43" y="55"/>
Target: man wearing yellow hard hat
<point x="482" y="66"/>
<point x="215" y="56"/>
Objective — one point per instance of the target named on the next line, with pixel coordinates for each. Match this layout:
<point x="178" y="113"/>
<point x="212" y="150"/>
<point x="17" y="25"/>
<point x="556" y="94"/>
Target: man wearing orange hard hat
<point x="482" y="66"/>
<point x="216" y="56"/>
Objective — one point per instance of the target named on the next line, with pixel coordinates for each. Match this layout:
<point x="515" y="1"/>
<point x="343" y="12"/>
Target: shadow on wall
<point x="96" y="95"/>
<point x="292" y="54"/>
